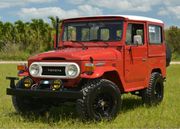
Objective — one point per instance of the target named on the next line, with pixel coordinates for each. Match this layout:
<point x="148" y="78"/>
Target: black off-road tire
<point x="101" y="100"/>
<point x="154" y="93"/>
<point x="26" y="105"/>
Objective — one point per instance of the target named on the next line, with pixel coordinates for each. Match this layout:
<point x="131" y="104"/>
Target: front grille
<point x="54" y="70"/>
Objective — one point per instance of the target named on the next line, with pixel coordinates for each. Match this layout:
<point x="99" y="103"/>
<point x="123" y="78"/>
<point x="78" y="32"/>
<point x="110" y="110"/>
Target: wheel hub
<point x="102" y="103"/>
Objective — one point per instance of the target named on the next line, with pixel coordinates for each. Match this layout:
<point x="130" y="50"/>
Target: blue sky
<point x="166" y="10"/>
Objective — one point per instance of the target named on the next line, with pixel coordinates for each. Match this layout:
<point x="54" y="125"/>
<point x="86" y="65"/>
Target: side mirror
<point x="137" y="40"/>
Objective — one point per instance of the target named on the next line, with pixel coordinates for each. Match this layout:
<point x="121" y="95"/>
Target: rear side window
<point x="155" y="34"/>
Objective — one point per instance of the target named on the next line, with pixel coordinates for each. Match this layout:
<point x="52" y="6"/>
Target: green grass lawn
<point x="133" y="115"/>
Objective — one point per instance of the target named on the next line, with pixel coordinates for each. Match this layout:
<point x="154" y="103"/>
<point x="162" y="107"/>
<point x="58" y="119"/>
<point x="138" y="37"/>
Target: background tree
<point x="173" y="38"/>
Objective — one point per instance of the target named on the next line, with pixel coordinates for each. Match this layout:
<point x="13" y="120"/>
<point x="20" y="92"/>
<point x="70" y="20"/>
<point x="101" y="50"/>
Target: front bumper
<point x="64" y="94"/>
<point x="42" y="93"/>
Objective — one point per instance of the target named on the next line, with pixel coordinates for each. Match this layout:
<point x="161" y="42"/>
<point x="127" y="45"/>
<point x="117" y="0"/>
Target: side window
<point x="135" y="34"/>
<point x="155" y="34"/>
<point x="104" y="34"/>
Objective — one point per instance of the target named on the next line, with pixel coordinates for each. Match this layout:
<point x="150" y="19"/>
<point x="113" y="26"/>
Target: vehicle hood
<point x="78" y="54"/>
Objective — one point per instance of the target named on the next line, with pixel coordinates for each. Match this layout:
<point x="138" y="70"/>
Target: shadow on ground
<point x="131" y="103"/>
<point x="68" y="112"/>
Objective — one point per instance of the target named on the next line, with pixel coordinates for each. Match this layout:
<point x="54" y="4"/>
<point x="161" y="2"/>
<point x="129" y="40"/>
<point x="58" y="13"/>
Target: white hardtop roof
<point x="130" y="17"/>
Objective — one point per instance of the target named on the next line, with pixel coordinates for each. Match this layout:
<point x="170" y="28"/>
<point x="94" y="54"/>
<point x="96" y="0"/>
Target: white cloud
<point x="120" y="5"/>
<point x="28" y="1"/>
<point x="176" y="11"/>
<point x="171" y="2"/>
<point x="164" y="8"/>
<point x="83" y="10"/>
<point x="29" y="13"/>
<point x="39" y="1"/>
<point x="8" y="4"/>
<point x="133" y="5"/>
<point x="13" y="3"/>
<point x="170" y="8"/>
<point x="4" y="5"/>
<point x="87" y="10"/>
<point x="76" y="2"/>
<point x="163" y="12"/>
<point x="123" y="5"/>
<point x="170" y="11"/>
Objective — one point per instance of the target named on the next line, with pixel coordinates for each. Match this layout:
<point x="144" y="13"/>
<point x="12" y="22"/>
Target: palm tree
<point x="1" y="34"/>
<point x="30" y="37"/>
<point x="7" y="30"/>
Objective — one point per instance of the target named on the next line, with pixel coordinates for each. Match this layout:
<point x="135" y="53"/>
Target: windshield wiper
<point x="97" y="40"/>
<point x="81" y="43"/>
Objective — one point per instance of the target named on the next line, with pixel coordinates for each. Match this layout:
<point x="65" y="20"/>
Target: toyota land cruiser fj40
<point x="95" y="61"/>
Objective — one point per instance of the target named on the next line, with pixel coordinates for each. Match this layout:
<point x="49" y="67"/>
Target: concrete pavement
<point x="13" y="62"/>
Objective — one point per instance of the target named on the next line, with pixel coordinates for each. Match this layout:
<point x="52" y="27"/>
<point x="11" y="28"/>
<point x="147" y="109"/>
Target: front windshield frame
<point x="115" y="31"/>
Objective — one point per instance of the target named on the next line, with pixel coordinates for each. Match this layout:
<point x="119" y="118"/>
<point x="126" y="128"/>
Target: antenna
<point x="57" y="32"/>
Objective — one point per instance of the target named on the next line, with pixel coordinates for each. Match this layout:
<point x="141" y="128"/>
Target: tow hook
<point x="12" y="81"/>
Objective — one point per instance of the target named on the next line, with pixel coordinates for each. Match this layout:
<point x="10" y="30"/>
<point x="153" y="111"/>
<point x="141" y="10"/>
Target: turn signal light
<point x="21" y="67"/>
<point x="89" y="67"/>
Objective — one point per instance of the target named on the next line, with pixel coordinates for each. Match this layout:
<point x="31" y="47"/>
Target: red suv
<point x="95" y="61"/>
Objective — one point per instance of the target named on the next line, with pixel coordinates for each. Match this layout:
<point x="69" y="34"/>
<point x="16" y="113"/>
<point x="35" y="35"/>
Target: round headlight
<point x="72" y="70"/>
<point x="34" y="69"/>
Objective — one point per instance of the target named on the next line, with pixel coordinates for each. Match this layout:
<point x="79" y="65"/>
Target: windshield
<point x="93" y="31"/>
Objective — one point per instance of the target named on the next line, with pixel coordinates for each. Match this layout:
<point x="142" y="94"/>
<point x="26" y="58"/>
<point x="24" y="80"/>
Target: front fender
<point x="99" y="71"/>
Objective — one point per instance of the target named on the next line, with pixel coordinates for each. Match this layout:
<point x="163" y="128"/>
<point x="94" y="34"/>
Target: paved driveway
<point x="13" y="62"/>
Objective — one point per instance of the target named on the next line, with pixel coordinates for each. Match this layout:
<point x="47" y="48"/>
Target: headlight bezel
<point x="65" y="64"/>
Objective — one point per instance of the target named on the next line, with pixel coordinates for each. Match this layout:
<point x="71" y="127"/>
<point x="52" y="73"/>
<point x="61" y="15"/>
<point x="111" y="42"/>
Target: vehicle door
<point x="135" y="53"/>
